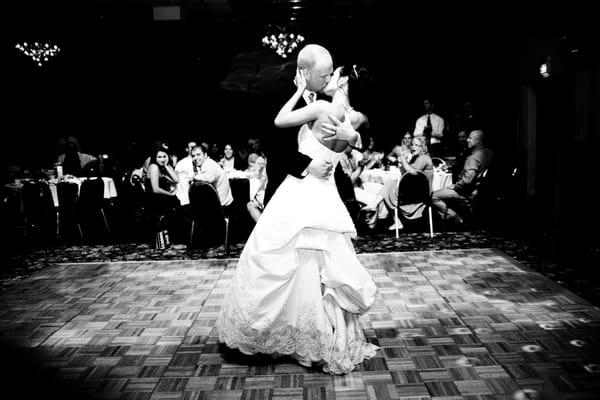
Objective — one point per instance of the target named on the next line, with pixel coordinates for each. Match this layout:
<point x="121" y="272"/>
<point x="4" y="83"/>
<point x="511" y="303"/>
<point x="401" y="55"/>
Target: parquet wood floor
<point x="453" y="324"/>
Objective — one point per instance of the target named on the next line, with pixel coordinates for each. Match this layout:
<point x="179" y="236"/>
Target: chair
<point x="91" y="201"/>
<point x="470" y="207"/>
<point x="414" y="197"/>
<point x="240" y="190"/>
<point x="38" y="208"/>
<point x="207" y="214"/>
<point x="68" y="193"/>
<point x="482" y="195"/>
<point x="159" y="208"/>
<point x="238" y="211"/>
<point x="437" y="161"/>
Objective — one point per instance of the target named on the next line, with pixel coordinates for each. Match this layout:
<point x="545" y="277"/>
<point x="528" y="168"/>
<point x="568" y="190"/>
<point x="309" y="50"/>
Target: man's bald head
<point x="475" y="138"/>
<point x="307" y="57"/>
<point x="317" y="65"/>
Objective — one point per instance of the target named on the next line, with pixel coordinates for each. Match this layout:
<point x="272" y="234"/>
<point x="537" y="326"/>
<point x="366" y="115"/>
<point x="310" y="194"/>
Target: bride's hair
<point x="359" y="85"/>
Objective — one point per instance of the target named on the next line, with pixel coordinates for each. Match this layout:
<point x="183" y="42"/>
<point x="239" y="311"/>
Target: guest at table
<point x="159" y="143"/>
<point x="257" y="170"/>
<point x="371" y="158"/>
<point x="162" y="178"/>
<point x="407" y="141"/>
<point x="461" y="153"/>
<point x="229" y="161"/>
<point x="420" y="161"/>
<point x="209" y="171"/>
<point x="214" y="152"/>
<point x="393" y="157"/>
<point x="161" y="183"/>
<point x="453" y="199"/>
<point x="73" y="160"/>
<point x="185" y="166"/>
<point x="351" y="165"/>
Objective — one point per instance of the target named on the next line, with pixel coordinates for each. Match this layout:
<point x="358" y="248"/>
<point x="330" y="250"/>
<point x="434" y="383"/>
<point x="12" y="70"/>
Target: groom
<point x="317" y="65"/>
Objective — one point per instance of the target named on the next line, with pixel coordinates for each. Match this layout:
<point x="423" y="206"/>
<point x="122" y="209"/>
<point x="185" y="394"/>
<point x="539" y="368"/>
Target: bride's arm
<point x="287" y="116"/>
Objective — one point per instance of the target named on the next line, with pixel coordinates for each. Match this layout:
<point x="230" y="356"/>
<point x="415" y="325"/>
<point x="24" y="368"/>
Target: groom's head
<point x="317" y="65"/>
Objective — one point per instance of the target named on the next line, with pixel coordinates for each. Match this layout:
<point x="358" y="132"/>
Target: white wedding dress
<point x="299" y="288"/>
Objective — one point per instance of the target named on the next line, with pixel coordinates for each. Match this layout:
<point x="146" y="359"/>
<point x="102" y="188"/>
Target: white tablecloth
<point x="110" y="190"/>
<point x="441" y="178"/>
<point x="379" y="175"/>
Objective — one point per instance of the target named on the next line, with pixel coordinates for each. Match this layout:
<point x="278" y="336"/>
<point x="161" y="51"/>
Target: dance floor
<point x="451" y="324"/>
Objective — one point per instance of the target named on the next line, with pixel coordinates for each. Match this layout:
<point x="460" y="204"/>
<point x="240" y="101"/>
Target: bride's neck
<point x="341" y="98"/>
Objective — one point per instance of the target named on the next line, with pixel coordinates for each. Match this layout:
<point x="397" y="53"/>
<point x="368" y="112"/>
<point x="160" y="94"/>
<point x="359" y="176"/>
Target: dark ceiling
<point x="120" y="70"/>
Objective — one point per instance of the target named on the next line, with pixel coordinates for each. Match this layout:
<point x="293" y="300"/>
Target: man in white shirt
<point x="430" y="125"/>
<point x="185" y="166"/>
<point x="209" y="171"/>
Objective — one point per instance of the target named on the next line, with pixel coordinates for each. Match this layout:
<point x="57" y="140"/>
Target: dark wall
<point x="122" y="76"/>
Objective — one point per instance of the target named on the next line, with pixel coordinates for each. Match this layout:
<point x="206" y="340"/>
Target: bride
<point x="299" y="287"/>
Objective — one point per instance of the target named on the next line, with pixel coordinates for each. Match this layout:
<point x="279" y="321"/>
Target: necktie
<point x="311" y="96"/>
<point x="429" y="122"/>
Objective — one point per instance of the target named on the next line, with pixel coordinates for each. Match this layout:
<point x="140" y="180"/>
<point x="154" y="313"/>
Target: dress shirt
<point x="185" y="167"/>
<point x="212" y="173"/>
<point x="437" y="125"/>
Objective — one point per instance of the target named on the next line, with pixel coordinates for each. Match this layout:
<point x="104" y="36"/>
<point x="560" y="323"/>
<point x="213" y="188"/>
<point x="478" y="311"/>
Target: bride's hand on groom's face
<point x="300" y="80"/>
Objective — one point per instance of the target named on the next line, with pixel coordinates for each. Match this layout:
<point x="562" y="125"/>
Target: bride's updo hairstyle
<point x="359" y="86"/>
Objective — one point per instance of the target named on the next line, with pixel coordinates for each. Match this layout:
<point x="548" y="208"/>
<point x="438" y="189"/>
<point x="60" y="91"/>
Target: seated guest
<point x="462" y="151"/>
<point x="252" y="146"/>
<point x="208" y="171"/>
<point x="255" y="147"/>
<point x="419" y="161"/>
<point x="162" y="178"/>
<point x="393" y="158"/>
<point x="72" y="160"/>
<point x="352" y="166"/>
<point x="215" y="152"/>
<point x="407" y="141"/>
<point x="159" y="143"/>
<point x="256" y="169"/>
<point x="370" y="157"/>
<point x="185" y="166"/>
<point x="458" y="196"/>
<point x="229" y="161"/>
<point x="350" y="163"/>
<point x="161" y="184"/>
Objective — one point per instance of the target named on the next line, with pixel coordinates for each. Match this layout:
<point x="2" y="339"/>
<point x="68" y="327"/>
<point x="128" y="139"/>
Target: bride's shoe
<point x="304" y="361"/>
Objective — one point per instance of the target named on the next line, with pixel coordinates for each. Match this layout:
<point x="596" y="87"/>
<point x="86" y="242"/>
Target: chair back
<point x="37" y="199"/>
<point x="437" y="161"/>
<point x="91" y="194"/>
<point x="414" y="189"/>
<point x="206" y="211"/>
<point x="240" y="190"/>
<point x="67" y="195"/>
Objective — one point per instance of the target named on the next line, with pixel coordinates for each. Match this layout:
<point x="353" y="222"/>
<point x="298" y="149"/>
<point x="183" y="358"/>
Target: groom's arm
<point x="298" y="164"/>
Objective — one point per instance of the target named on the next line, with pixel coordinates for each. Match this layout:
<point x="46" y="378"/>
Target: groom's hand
<point x="339" y="130"/>
<point x="320" y="169"/>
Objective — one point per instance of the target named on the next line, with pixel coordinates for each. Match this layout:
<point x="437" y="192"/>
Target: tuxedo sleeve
<point x="298" y="163"/>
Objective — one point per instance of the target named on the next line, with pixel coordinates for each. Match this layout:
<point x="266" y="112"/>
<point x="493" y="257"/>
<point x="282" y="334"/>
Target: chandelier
<point x="283" y="40"/>
<point x="38" y="52"/>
